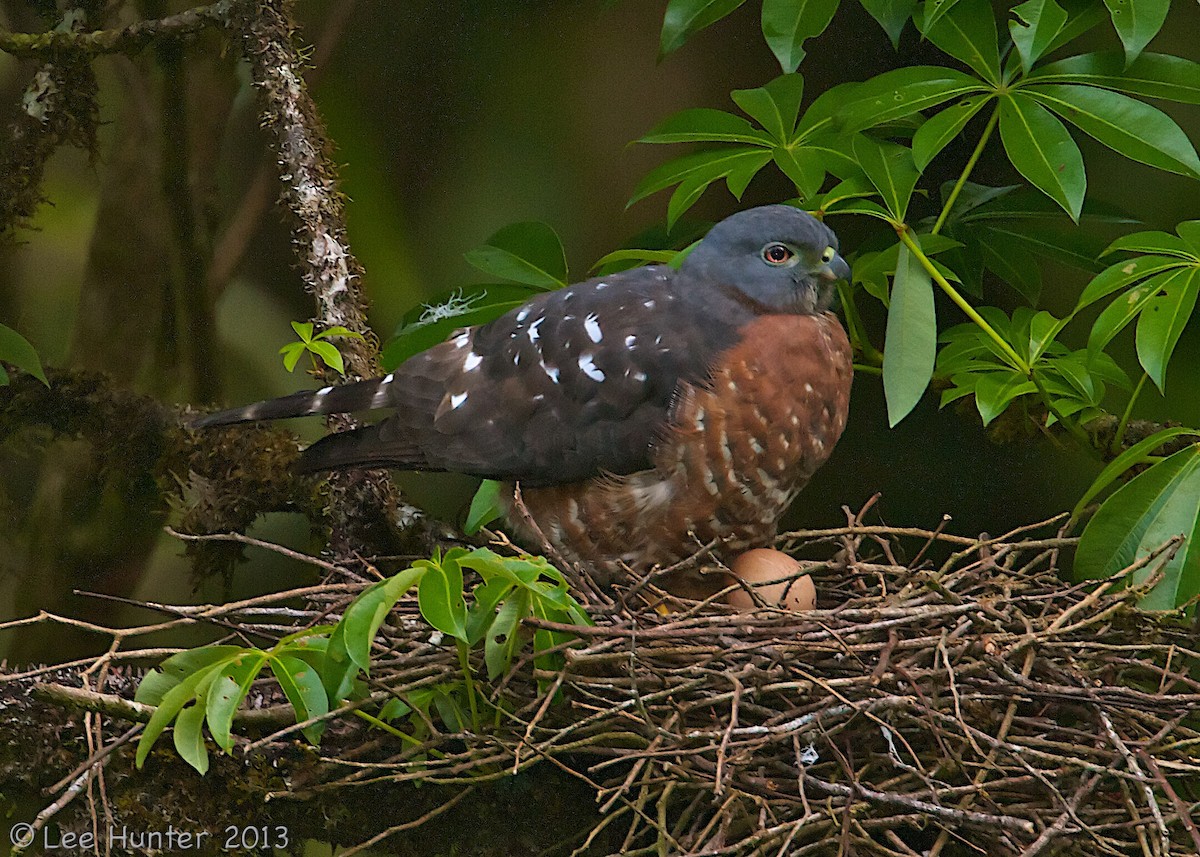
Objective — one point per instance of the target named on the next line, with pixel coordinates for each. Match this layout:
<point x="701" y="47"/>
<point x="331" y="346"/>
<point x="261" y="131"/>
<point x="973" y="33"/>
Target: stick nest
<point x="979" y="707"/>
<point x="976" y="704"/>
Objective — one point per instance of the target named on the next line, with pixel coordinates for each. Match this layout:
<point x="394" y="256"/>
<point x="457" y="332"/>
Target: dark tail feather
<point x="359" y="448"/>
<point x="358" y="396"/>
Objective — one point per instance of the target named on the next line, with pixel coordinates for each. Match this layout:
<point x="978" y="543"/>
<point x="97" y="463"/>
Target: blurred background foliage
<point x="451" y="119"/>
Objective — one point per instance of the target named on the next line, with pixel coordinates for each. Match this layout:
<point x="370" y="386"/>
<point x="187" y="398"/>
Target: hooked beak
<point x="836" y="269"/>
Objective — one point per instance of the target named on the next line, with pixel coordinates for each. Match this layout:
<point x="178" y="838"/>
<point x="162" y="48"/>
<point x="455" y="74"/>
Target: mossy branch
<point x="126" y="40"/>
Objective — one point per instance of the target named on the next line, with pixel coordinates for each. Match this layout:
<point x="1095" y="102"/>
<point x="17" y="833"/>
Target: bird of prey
<point x="642" y="413"/>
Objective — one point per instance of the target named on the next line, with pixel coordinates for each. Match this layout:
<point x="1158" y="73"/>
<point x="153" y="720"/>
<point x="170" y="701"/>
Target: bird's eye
<point x="777" y="254"/>
<point x="828" y="254"/>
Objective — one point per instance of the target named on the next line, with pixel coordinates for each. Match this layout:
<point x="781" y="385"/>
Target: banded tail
<point x="359" y="396"/>
<point x="367" y="447"/>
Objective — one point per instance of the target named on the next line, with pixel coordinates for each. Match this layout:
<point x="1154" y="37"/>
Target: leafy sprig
<point x="320" y="668"/>
<point x="318" y="346"/>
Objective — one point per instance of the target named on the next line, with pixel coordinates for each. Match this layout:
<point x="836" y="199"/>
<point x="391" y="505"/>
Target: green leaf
<point x="860" y="206"/>
<point x="1153" y="241"/>
<point x="1082" y="15"/>
<point x="1157" y="504"/>
<point x="804" y="167"/>
<point x="328" y="353"/>
<point x="786" y="24"/>
<point x="1124" y="274"/>
<point x="338" y="672"/>
<point x="994" y="392"/>
<point x="967" y="32"/>
<point x="15" y="349"/>
<point x="703" y="124"/>
<point x="1131" y="457"/>
<point x="684" y="18"/>
<point x="891" y="169"/>
<point x="774" y="106"/>
<point x="189" y="741"/>
<point x="1043" y="328"/>
<point x="911" y="343"/>
<point x="426" y="325"/>
<point x="503" y="637"/>
<point x="528" y="252"/>
<point x="303" y="689"/>
<point x="338" y="330"/>
<point x="451" y="712"/>
<point x="899" y="93"/>
<point x="1012" y="262"/>
<point x="1034" y="26"/>
<point x="1162" y="321"/>
<point x="936" y="133"/>
<point x="485" y="599"/>
<point x="486" y="506"/>
<point x="440" y="595"/>
<point x="304" y="329"/>
<point x="739" y="177"/>
<point x="1073" y="247"/>
<point x="892" y="15"/>
<point x="1126" y="308"/>
<point x="229" y="687"/>
<point x="1126" y="125"/>
<point x="1137" y="22"/>
<point x="854" y="188"/>
<point x="1189" y="231"/>
<point x="522" y="570"/>
<point x="394" y="708"/>
<point x="710" y="164"/>
<point x="1151" y="75"/>
<point x="655" y="257"/>
<point x="364" y="616"/>
<point x="738" y="171"/>
<point x="874" y="270"/>
<point x="1042" y="150"/>
<point x="178" y="668"/>
<point x="153" y="686"/>
<point x="935" y="9"/>
<point x="172" y="702"/>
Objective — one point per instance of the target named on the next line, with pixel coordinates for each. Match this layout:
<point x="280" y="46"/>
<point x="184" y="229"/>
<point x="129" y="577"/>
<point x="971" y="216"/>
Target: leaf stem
<point x="854" y="326"/>
<point x="962" y="179"/>
<point x="963" y="304"/>
<point x="1119" y="437"/>
<point x="386" y="727"/>
<point x="1073" y="428"/>
<point x="465" y="663"/>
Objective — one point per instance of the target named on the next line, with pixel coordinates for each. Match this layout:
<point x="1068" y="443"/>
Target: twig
<point x="127" y="40"/>
<point x="410" y="825"/>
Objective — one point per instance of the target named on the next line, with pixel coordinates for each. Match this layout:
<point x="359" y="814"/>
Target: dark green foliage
<point x="318" y="668"/>
<point x="1003" y="81"/>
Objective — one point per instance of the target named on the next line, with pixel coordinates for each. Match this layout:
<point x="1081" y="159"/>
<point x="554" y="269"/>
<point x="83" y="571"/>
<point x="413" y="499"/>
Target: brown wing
<point x="575" y="383"/>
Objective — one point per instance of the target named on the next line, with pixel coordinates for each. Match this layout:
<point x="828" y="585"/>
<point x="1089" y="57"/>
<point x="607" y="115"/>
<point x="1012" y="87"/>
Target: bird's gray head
<point x="776" y="255"/>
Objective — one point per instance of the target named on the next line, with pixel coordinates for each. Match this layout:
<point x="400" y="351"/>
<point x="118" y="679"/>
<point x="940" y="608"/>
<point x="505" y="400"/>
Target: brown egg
<point x="764" y="564"/>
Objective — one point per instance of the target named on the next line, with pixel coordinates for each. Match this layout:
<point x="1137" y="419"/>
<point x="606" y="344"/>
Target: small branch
<point x="361" y="503"/>
<point x="409" y="825"/>
<point x="258" y="543"/>
<point x="111" y="705"/>
<point x="127" y="40"/>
